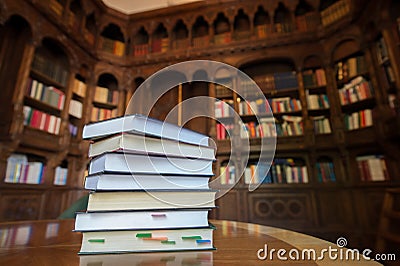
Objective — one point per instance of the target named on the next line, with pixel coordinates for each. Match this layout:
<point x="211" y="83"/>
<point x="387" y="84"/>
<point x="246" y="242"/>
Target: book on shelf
<point x="139" y="220"/>
<point x="79" y="88"/>
<point x="147" y="240"/>
<point x="289" y="126"/>
<point x="325" y="172"/>
<point x="157" y="199"/>
<point x="287" y="171"/>
<point x="46" y="94"/>
<point x="128" y="181"/>
<point x="254" y="174"/>
<point x="227" y="174"/>
<point x="20" y="170"/>
<point x="357" y="90"/>
<point x="317" y="101"/>
<point x="73" y="130"/>
<point x="372" y="168"/>
<point x="139" y="163"/>
<point x="321" y="125"/>
<point x="198" y="258"/>
<point x="75" y="108"/>
<point x="141" y="144"/>
<point x="359" y="119"/>
<point x="284" y="104"/>
<point x="99" y="114"/>
<point x="224" y="108"/>
<point x="224" y="131"/>
<point x="41" y="120"/>
<point x="335" y="12"/>
<point x="60" y="176"/>
<point x="140" y="124"/>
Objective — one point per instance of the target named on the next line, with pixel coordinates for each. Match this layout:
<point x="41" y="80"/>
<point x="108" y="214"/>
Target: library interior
<point x="329" y="71"/>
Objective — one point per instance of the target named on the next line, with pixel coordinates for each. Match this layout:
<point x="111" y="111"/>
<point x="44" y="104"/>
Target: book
<point x="198" y="258"/>
<point x="147" y="241"/>
<point x="136" y="163"/>
<point x="149" y="145"/>
<point x="140" y="124"/>
<point x="137" y="220"/>
<point x="128" y="181"/>
<point x="142" y="200"/>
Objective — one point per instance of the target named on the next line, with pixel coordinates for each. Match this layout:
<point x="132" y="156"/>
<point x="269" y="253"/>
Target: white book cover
<point x="137" y="220"/>
<point x="134" y="163"/>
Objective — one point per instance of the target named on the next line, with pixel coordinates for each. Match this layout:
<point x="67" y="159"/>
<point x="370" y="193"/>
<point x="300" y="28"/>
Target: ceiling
<point x="136" y="6"/>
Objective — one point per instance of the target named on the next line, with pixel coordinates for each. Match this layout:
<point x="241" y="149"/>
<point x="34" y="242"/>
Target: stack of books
<point x="149" y="188"/>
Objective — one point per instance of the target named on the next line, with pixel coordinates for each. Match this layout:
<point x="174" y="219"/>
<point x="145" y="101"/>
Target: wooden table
<point x="52" y="242"/>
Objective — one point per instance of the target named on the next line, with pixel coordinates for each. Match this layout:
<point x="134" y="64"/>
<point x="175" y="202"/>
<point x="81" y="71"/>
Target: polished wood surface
<point x="52" y="242"/>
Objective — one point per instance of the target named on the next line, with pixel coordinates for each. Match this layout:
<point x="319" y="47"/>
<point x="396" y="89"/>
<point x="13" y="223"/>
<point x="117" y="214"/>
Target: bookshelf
<point x="160" y="39"/>
<point x="140" y="43"/>
<point x="262" y="23"/>
<point x="301" y="41"/>
<point x="200" y="33"/>
<point x="106" y="98"/>
<point x="222" y="30"/>
<point x="112" y="40"/>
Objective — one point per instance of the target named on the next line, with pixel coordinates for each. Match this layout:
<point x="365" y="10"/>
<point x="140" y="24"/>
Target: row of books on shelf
<point x="201" y="41"/>
<point x="79" y="88"/>
<point x="223" y="38"/>
<point x="283" y="27"/>
<point x="357" y="90"/>
<point x="335" y="12"/>
<point x="60" y="176"/>
<point x="105" y="95"/>
<point x="146" y="203"/>
<point x="321" y="125"/>
<point x="360" y="119"/>
<point x="224" y="131"/>
<point x="180" y="43"/>
<point x="284" y="104"/>
<point x="317" y="101"/>
<point x="282" y="171"/>
<point x="160" y="45"/>
<point x="350" y="68"/>
<point x="277" y="81"/>
<point x="75" y="108"/>
<point x="271" y="127"/>
<point x="41" y="120"/>
<point x="222" y="88"/>
<point x="227" y="174"/>
<point x="325" y="172"/>
<point x="263" y="30"/>
<point x="372" y="168"/>
<point x="314" y="78"/>
<point x="73" y="130"/>
<point x="44" y="93"/>
<point x="20" y="170"/>
<point x="102" y="114"/>
<point x="140" y="49"/>
<point x="112" y="46"/>
<point x="261" y="130"/>
<point x="224" y="108"/>
<point x="290" y="126"/>
<point x="307" y="21"/>
<point x="53" y="70"/>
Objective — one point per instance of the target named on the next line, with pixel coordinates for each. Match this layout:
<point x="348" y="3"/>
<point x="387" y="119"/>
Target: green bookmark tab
<point x="169" y="242"/>
<point x="191" y="237"/>
<point x="143" y="235"/>
<point x="96" y="240"/>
